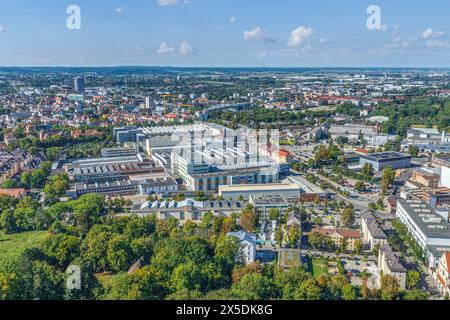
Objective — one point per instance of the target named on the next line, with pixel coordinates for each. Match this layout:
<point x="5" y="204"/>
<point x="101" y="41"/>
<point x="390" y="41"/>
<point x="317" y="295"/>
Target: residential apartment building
<point x="337" y="235"/>
<point x="247" y="251"/>
<point x="373" y="234"/>
<point x="389" y="263"/>
<point x="441" y="160"/>
<point x="426" y="177"/>
<point x="442" y="274"/>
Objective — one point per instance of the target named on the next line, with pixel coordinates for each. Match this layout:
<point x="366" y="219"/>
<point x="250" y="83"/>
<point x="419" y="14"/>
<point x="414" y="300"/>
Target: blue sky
<point x="228" y="33"/>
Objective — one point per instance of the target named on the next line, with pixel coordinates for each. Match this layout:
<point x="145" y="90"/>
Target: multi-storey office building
<point x="430" y="229"/>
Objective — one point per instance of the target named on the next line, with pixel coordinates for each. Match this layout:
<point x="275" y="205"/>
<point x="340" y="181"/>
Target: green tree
<point x="387" y="178"/>
<point x="119" y="253"/>
<point x="358" y="246"/>
<point x="274" y="214"/>
<point x="412" y="279"/>
<point x="141" y="285"/>
<point x="62" y="247"/>
<point x="348" y="292"/>
<point x="360" y="186"/>
<point x="248" y="220"/>
<point x="367" y="170"/>
<point x="416" y="295"/>
<point x="348" y="217"/>
<point x="389" y="287"/>
<point x="255" y="286"/>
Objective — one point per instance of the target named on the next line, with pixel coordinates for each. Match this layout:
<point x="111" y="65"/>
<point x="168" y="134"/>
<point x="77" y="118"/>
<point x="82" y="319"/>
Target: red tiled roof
<point x="13" y="192"/>
<point x="284" y="153"/>
<point x="360" y="150"/>
<point x="346" y="233"/>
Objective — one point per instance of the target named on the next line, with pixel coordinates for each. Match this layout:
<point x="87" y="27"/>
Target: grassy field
<point x="317" y="268"/>
<point x="12" y="245"/>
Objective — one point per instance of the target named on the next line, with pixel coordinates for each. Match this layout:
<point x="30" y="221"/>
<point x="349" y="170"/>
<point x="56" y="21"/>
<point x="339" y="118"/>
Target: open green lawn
<point x="12" y="245"/>
<point x="317" y="268"/>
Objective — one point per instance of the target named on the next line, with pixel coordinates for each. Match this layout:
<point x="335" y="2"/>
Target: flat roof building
<point x="188" y="209"/>
<point x="245" y="191"/>
<point x="382" y="160"/>
<point x="147" y="186"/>
<point x="427" y="227"/>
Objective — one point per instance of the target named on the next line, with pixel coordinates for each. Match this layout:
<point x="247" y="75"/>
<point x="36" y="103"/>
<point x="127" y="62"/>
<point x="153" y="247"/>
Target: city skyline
<point x="200" y="33"/>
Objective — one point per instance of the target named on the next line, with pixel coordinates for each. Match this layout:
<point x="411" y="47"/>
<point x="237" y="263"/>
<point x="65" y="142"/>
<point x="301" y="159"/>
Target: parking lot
<point x="355" y="268"/>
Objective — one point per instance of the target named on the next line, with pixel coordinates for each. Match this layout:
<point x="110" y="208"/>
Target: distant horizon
<point x="220" y="67"/>
<point x="226" y="34"/>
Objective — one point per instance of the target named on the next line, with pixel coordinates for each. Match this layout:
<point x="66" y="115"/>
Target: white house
<point x="247" y="253"/>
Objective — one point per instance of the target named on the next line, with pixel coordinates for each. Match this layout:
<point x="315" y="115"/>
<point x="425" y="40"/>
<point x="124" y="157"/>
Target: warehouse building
<point x="148" y="186"/>
<point x="187" y="210"/>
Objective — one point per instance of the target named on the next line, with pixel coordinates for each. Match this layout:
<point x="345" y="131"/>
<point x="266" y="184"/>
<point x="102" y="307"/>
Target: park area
<point x="318" y="267"/>
<point x="12" y="245"/>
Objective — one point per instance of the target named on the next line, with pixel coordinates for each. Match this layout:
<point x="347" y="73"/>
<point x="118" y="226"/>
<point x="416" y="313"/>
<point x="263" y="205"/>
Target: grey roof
<point x="260" y="200"/>
<point x="393" y="259"/>
<point x="426" y="218"/>
<point x="242" y="235"/>
<point x="190" y="204"/>
<point x="375" y="230"/>
<point x="386" y="156"/>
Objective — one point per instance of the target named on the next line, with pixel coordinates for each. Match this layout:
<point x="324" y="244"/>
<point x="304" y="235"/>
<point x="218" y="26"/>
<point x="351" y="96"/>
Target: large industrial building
<point x="128" y="151"/>
<point x="234" y="192"/>
<point x="188" y="209"/>
<point x="145" y="186"/>
<point x="382" y="160"/>
<point x="111" y="169"/>
<point x="204" y="177"/>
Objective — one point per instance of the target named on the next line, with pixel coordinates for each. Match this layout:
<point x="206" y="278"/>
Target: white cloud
<point x="399" y="42"/>
<point x="185" y="48"/>
<point x="233" y="19"/>
<point x="437" y="43"/>
<point x="430" y="33"/>
<point x="164" y="48"/>
<point x="3" y="29"/>
<point x="164" y="3"/>
<point x="257" y="34"/>
<point x="322" y="40"/>
<point x="119" y="10"/>
<point x="299" y="35"/>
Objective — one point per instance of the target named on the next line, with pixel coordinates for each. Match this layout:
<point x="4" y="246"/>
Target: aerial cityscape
<point x="235" y="181"/>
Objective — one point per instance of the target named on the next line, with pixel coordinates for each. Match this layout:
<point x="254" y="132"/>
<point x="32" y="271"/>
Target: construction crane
<point x="165" y="96"/>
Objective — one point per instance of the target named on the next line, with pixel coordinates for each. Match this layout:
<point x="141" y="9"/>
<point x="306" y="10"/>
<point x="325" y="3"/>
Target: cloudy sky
<point x="278" y="33"/>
